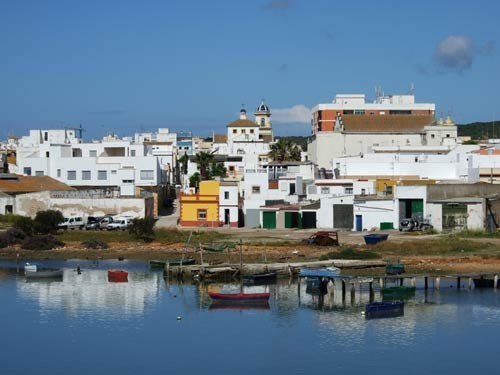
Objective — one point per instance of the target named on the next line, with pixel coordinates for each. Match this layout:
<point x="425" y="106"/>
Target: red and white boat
<point x="117" y="276"/>
<point x="240" y="297"/>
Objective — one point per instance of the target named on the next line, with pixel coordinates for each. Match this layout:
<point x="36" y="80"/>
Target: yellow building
<point x="201" y="209"/>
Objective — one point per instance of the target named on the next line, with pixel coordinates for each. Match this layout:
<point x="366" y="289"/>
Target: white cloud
<point x="457" y="52"/>
<point x="298" y="113"/>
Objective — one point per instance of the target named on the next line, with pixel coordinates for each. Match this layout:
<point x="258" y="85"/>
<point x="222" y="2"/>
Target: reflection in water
<point x="90" y="292"/>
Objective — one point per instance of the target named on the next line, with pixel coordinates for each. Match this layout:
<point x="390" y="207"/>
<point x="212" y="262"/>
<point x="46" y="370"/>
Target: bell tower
<point x="263" y="120"/>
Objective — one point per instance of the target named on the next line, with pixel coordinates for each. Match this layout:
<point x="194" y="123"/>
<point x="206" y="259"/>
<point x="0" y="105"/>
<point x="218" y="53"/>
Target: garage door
<point x="343" y="216"/>
<point x="269" y="220"/>
<point x="308" y="220"/>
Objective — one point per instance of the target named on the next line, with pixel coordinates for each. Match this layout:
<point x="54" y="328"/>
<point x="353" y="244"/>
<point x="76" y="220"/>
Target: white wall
<point x="374" y="212"/>
<point x="324" y="215"/>
<point x="434" y="212"/>
<point x="475" y="216"/>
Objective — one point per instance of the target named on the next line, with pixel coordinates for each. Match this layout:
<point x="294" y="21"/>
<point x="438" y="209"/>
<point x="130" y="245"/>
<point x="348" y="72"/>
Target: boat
<point x="44" y="273"/>
<point x="373" y="239"/>
<point x="319" y="272"/>
<point x="30" y="267"/>
<point x="117" y="276"/>
<point x="484" y="283"/>
<point x="240" y="297"/>
<point x="394" y="267"/>
<point x="397" y="292"/>
<point x="387" y="309"/>
<point x="176" y="262"/>
<point x="259" y="278"/>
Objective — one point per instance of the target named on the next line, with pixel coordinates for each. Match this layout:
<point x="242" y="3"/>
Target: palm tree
<point x="184" y="161"/>
<point x="204" y="159"/>
<point x="284" y="150"/>
<point x="217" y="170"/>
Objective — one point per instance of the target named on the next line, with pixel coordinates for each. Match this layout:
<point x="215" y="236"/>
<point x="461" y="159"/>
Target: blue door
<point x="359" y="223"/>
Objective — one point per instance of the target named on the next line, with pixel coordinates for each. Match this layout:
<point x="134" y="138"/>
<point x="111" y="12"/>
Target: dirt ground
<point x="260" y="245"/>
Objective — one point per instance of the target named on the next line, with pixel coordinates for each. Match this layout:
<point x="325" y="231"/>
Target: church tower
<point x="263" y="120"/>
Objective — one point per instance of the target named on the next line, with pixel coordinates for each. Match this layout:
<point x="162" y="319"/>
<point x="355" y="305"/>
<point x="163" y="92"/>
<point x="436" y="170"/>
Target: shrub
<point x="41" y="242"/>
<point x="143" y="229"/>
<point x="94" y="243"/>
<point x="24" y="223"/>
<point x="12" y="236"/>
<point x="349" y="253"/>
<point x="48" y="221"/>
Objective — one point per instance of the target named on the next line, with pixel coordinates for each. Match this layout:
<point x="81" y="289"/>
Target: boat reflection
<point x="239" y="306"/>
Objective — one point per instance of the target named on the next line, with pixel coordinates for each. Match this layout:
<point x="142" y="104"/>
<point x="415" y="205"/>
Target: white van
<point x="74" y="222"/>
<point x="121" y="223"/>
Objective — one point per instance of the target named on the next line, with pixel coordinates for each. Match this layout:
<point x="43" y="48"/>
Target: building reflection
<point x="91" y="293"/>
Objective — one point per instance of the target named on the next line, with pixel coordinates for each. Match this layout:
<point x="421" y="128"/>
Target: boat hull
<point x="44" y="274"/>
<point x="240" y="297"/>
<point x="377" y="310"/>
<point x="117" y="276"/>
<point x="484" y="283"/>
<point x="373" y="239"/>
<point x="260" y="278"/>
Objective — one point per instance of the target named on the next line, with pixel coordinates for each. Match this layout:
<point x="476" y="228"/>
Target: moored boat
<point x="484" y="283"/>
<point x="32" y="267"/>
<point x="240" y="297"/>
<point x="117" y="276"/>
<point x="44" y="273"/>
<point x="384" y="309"/>
<point x="259" y="278"/>
<point x="373" y="239"/>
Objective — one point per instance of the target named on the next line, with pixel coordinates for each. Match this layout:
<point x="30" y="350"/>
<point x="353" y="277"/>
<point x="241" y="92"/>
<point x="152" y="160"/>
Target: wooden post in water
<point x="401" y="280"/>
<point x="343" y="290"/>
<point x="353" y="293"/>
<point x="372" y="293"/>
<point x="437" y="283"/>
<point x="458" y="282"/>
<point x="495" y="281"/>
<point x="470" y="283"/>
<point x="381" y="282"/>
<point x="241" y="258"/>
<point x="426" y="282"/>
<point x="413" y="282"/>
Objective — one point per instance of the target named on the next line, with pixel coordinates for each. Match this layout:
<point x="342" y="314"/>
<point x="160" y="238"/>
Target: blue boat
<point x="387" y="309"/>
<point x="373" y="239"/>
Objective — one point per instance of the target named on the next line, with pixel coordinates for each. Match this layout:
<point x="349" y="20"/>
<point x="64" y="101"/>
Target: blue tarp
<point x="322" y="272"/>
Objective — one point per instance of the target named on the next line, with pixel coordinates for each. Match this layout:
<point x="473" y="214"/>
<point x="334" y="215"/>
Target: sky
<point x="119" y="66"/>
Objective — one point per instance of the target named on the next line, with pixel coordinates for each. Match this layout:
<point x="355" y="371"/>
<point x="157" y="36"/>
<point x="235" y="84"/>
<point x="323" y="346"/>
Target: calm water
<point x="86" y="325"/>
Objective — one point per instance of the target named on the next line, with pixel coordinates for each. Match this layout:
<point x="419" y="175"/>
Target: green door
<point x="417" y="206"/>
<point x="288" y="220"/>
<point x="269" y="220"/>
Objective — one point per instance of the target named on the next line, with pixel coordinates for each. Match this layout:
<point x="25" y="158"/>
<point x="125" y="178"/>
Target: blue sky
<point x="126" y="66"/>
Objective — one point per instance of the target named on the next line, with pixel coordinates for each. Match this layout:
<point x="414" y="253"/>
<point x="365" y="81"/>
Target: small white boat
<point x="45" y="273"/>
<point x="31" y="267"/>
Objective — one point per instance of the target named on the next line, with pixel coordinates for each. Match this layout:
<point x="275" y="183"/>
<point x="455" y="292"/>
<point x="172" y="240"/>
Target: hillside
<point x="480" y="130"/>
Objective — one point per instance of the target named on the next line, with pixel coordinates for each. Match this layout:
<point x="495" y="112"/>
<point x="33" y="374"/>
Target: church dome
<point x="262" y="109"/>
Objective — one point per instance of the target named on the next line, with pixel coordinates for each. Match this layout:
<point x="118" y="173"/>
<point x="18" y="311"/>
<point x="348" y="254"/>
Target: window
<point x="348" y="190"/>
<point x="27" y="171"/>
<point x="325" y="190"/>
<point x="132" y="152"/>
<point x="127" y="181"/>
<point x="243" y="131"/>
<point x="85" y="175"/>
<point x="93" y="153"/>
<point x="251" y="131"/>
<point x="202" y="214"/>
<point x="399" y="112"/>
<point x="71" y="175"/>
<point x="447" y="136"/>
<point x="147" y="175"/>
<point x="102" y="175"/>
<point x="256" y="189"/>
<point x="262" y="122"/>
<point x="38" y="173"/>
<point x="58" y="173"/>
<point x="77" y="152"/>
<point x="47" y="154"/>
<point x="234" y="131"/>
<point x="226" y="195"/>
<point x="348" y="112"/>
<point x="363" y="191"/>
<point x="359" y="111"/>
<point x="388" y="190"/>
<point x="46" y="136"/>
<point x="432" y="136"/>
<point x="113" y="171"/>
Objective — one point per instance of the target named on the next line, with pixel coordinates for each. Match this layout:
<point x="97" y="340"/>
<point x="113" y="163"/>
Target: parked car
<point x="74" y="222"/>
<point x="104" y="222"/>
<point x="119" y="223"/>
<point x="92" y="222"/>
<point x="408" y="225"/>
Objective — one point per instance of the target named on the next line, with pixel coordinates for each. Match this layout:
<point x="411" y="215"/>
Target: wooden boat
<point x="157" y="263"/>
<point x="240" y="297"/>
<point x="44" y="273"/>
<point x="373" y="239"/>
<point x="387" y="309"/>
<point x="484" y="283"/>
<point x="259" y="278"/>
<point x="398" y="292"/>
<point x="178" y="262"/>
<point x="117" y="276"/>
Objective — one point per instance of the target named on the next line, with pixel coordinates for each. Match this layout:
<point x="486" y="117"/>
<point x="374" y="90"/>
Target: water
<point x="86" y="325"/>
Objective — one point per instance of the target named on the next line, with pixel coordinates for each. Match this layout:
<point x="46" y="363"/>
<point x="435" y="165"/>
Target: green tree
<point x="24" y="223"/>
<point x="217" y="170"/>
<point x="284" y="150"/>
<point x="184" y="163"/>
<point x="204" y="160"/>
<point x="194" y="180"/>
<point x="47" y="222"/>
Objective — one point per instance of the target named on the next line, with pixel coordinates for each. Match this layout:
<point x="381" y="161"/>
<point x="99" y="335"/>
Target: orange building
<point x="201" y="209"/>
